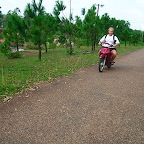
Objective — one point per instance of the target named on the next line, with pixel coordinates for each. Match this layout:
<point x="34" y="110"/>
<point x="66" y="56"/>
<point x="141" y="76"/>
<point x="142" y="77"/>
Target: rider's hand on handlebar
<point x="100" y="43"/>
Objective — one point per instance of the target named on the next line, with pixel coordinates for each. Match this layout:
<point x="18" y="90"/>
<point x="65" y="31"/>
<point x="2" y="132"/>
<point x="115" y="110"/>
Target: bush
<point x="14" y="55"/>
<point x="80" y="42"/>
<point x="52" y="46"/>
<point x="70" y="51"/>
<point x="4" y="48"/>
<point x="31" y="46"/>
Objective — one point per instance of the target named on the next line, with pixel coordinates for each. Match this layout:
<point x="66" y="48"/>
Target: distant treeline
<point x="39" y="27"/>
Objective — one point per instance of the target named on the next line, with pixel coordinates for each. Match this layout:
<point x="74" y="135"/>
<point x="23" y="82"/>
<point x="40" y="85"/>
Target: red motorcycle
<point x="105" y="56"/>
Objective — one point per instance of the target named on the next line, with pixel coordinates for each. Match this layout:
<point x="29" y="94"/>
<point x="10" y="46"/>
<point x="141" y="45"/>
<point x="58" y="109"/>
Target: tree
<point x="136" y="37"/>
<point x="65" y="25"/>
<point x="66" y="29"/>
<point x="79" y="33"/>
<point x="49" y="29"/>
<point x="34" y="19"/>
<point x="83" y="11"/>
<point x="123" y="30"/>
<point x="105" y="20"/>
<point x="15" y="29"/>
<point x="1" y="18"/>
<point x="59" y="7"/>
<point x="91" y="26"/>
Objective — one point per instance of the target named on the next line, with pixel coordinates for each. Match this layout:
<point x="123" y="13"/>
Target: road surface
<point x="86" y="108"/>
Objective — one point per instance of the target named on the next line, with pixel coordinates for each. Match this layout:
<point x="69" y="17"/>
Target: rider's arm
<point x="102" y="40"/>
<point x="115" y="45"/>
<point x="100" y="43"/>
<point x="117" y="42"/>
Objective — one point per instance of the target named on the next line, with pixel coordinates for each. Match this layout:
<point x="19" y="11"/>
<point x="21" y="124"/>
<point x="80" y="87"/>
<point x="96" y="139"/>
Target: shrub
<point x="52" y="46"/>
<point x="70" y="51"/>
<point x="31" y="46"/>
<point x="14" y="55"/>
<point x="4" y="48"/>
<point x="80" y="42"/>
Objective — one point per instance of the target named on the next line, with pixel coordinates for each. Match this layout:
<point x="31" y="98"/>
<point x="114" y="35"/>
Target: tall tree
<point x="91" y="26"/>
<point x="79" y="33"/>
<point x="136" y="37"/>
<point x="49" y="29"/>
<point x="1" y="18"/>
<point x="105" y="19"/>
<point x="14" y="31"/>
<point x="65" y="25"/>
<point x="34" y="18"/>
<point x="123" y="30"/>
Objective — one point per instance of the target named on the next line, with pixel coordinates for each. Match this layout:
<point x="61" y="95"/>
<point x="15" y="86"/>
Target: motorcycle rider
<point x="112" y="40"/>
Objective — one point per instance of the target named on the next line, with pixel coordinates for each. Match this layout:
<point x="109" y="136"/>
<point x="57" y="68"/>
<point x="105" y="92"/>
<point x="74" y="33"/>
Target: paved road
<point x="87" y="108"/>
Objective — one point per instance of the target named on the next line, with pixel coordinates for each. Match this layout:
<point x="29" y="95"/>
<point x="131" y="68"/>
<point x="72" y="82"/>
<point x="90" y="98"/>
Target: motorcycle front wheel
<point x="101" y="64"/>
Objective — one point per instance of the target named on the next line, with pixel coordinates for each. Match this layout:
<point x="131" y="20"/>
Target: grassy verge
<point x="19" y="74"/>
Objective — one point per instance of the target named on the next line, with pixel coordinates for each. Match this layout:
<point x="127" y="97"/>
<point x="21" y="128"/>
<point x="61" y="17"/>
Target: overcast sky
<point x="130" y="10"/>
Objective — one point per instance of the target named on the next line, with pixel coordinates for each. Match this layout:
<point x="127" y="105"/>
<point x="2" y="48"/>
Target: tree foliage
<point x="14" y="31"/>
<point x="35" y="22"/>
<point x="41" y="28"/>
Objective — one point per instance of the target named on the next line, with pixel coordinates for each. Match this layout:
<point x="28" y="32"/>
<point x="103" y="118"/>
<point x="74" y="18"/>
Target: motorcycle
<point x="105" y="56"/>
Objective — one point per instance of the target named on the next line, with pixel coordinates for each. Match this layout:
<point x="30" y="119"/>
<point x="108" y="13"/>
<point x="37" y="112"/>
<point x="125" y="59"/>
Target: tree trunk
<point x="125" y="43"/>
<point x="46" y="49"/>
<point x="95" y="39"/>
<point x="71" y="49"/>
<point x="17" y="48"/>
<point x="39" y="47"/>
<point x="92" y="47"/>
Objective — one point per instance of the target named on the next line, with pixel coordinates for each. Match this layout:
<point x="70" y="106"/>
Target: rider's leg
<point x="113" y="53"/>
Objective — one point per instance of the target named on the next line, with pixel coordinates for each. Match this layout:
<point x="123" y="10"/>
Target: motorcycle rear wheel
<point x="109" y="66"/>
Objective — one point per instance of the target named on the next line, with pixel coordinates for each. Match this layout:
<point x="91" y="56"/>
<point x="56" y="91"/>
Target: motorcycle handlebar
<point x="109" y="45"/>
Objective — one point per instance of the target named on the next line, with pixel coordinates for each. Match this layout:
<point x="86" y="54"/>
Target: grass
<point x="17" y="75"/>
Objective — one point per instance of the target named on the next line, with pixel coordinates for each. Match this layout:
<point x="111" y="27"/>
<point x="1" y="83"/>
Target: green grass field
<point x="18" y="74"/>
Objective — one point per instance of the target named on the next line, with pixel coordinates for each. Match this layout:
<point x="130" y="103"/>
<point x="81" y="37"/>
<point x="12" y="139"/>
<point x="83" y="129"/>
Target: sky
<point x="129" y="10"/>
